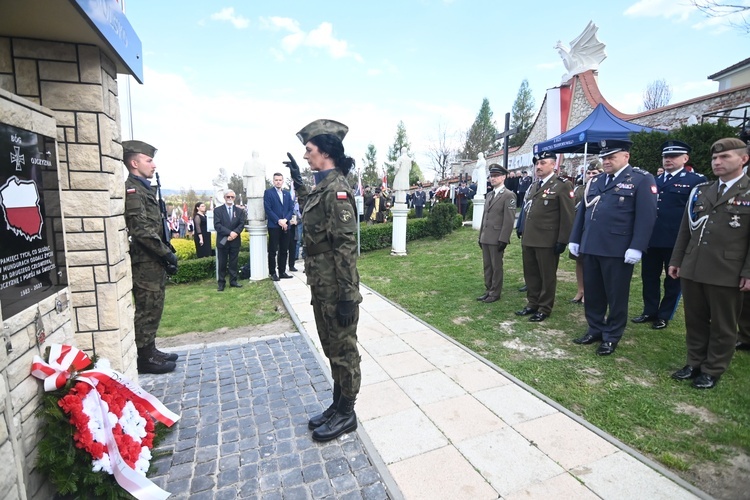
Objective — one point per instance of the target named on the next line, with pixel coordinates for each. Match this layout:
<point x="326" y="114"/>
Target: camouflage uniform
<point x="330" y="238"/>
<point x="147" y="252"/>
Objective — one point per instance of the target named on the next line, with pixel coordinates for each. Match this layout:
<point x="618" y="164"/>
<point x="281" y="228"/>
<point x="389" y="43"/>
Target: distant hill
<point x="169" y="192"/>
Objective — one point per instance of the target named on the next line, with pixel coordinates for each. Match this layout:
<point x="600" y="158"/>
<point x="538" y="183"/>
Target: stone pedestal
<point x="398" y="238"/>
<point x="258" y="251"/>
<point x="476" y="218"/>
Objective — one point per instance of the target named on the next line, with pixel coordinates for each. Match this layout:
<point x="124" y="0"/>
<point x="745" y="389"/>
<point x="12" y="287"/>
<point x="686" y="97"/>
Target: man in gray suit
<point x="711" y="259"/>
<point x="494" y="233"/>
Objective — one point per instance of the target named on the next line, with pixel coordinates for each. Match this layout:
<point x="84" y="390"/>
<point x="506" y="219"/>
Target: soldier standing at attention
<point x="611" y="232"/>
<point x="712" y="261"/>
<point x="674" y="187"/>
<point x="494" y="234"/>
<point x="546" y="229"/>
<point x="149" y="255"/>
<point x="330" y="215"/>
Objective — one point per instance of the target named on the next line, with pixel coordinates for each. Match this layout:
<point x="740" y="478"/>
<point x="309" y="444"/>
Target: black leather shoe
<point x="285" y="276"/>
<point x="167" y="356"/>
<point x="523" y="288"/>
<point x="235" y="285"/>
<point x="660" y="324"/>
<point x="293" y="269"/>
<point x="586" y="339"/>
<point x="342" y="421"/>
<point x="220" y="289"/>
<point x="483" y="297"/>
<point x="576" y="301"/>
<point x="538" y="317"/>
<point x="526" y="311"/>
<point x="322" y="418"/>
<point x="686" y="373"/>
<point x="490" y="300"/>
<point x="644" y="318"/>
<point x="742" y="346"/>
<point x="274" y="276"/>
<point x="705" y="381"/>
<point x="606" y="348"/>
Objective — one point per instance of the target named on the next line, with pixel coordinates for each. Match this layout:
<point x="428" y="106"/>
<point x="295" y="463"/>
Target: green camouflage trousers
<point x="149" y="280"/>
<point x="339" y="345"/>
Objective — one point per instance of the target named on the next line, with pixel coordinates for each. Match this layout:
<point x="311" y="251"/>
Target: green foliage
<point x="379" y="236"/>
<point x="370" y="174"/>
<point x="442" y="219"/>
<point x="522" y="114"/>
<point x="203" y="268"/>
<point x="236" y="184"/>
<point x="400" y="141"/>
<point x="415" y="174"/>
<point x="184" y="248"/>
<point x="646" y="150"/>
<point x="481" y="136"/>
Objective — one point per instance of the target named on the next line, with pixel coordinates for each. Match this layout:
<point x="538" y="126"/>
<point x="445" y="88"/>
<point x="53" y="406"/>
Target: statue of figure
<point x="586" y="52"/>
<point x="221" y="184"/>
<point x="401" y="179"/>
<point x="480" y="175"/>
<point x="253" y="178"/>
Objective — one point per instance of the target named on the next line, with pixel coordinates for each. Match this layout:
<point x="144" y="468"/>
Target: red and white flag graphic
<point x="20" y="203"/>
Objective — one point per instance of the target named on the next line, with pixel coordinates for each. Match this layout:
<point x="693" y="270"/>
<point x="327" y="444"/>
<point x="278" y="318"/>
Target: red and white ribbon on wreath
<point x="65" y="362"/>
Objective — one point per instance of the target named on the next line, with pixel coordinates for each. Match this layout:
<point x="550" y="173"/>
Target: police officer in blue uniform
<point x="610" y="233"/>
<point x="674" y="187"/>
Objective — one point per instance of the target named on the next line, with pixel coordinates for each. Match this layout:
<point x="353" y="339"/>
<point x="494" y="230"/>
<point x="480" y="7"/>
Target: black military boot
<point x="168" y="356"/>
<point x="321" y="419"/>
<point x="343" y="421"/>
<point x="149" y="361"/>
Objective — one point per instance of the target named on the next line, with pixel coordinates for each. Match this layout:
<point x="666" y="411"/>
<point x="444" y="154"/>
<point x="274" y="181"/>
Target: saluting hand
<point x="294" y="171"/>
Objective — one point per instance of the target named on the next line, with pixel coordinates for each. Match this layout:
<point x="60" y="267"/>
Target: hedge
<point x="185" y="247"/>
<point x="203" y="268"/>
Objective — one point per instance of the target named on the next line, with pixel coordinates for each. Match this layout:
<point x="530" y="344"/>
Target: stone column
<point x="478" y="213"/>
<point x="398" y="237"/>
<point x="258" y="251"/>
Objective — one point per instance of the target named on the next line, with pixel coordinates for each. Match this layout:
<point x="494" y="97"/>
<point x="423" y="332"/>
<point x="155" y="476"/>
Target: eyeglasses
<point x="227" y="197"/>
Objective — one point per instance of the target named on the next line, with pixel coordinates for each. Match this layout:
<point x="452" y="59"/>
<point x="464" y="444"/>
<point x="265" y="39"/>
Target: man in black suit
<point x="611" y="231"/>
<point x="419" y="199"/>
<point x="523" y="185"/>
<point x="279" y="209"/>
<point x="229" y="221"/>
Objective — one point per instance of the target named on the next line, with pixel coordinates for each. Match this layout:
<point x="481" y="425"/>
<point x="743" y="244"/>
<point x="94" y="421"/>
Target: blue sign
<point x="107" y="17"/>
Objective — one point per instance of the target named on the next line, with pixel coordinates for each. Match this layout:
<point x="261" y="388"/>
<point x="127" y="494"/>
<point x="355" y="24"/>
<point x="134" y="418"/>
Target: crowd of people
<point x="692" y="233"/>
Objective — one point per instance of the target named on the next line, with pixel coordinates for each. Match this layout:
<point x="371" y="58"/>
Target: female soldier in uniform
<point x="330" y="239"/>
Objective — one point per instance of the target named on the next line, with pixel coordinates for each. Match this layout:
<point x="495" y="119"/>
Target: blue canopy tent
<point x="584" y="137"/>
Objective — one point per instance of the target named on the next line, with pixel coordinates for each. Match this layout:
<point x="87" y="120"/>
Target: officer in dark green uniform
<point x="330" y="237"/>
<point x="150" y="255"/>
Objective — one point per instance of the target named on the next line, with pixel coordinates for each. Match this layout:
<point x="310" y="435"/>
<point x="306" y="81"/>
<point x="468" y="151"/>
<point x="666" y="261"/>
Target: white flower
<point x="133" y="424"/>
<point x="103" y="464"/>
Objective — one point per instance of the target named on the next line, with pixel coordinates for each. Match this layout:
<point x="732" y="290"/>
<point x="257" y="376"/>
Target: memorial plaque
<point x="32" y="256"/>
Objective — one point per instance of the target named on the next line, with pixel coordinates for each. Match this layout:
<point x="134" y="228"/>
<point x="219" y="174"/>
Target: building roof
<point x="730" y="69"/>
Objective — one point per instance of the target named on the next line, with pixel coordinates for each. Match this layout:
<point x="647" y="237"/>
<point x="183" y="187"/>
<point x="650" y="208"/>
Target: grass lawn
<point x="629" y="394"/>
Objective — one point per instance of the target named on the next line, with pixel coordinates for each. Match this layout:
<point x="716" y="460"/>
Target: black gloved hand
<point x="560" y="248"/>
<point x="501" y="246"/>
<point x="294" y="171"/>
<point x="345" y="312"/>
<point x="519" y="233"/>
<point x="170" y="264"/>
<point x="479" y="243"/>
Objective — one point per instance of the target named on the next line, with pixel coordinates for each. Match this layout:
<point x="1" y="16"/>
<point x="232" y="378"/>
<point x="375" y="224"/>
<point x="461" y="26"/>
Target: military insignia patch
<point x="340" y="195"/>
<point x="131" y="191"/>
<point x="345" y="215"/>
<point x="572" y="194"/>
<point x="654" y="190"/>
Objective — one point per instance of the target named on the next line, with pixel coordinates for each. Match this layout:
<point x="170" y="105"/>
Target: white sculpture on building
<point x="401" y="178"/>
<point x="253" y="178"/>
<point x="480" y="175"/>
<point x="585" y="53"/>
<point x="221" y="184"/>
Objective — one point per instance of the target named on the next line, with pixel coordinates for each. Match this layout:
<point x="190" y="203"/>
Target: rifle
<point x="166" y="234"/>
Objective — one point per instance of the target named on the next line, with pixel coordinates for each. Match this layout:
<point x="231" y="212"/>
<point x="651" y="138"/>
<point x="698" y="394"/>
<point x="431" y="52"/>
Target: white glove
<point x="573" y="247"/>
<point x="632" y="256"/>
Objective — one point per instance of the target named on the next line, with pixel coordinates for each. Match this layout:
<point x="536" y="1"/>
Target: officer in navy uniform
<point x="674" y="187"/>
<point x="610" y="233"/>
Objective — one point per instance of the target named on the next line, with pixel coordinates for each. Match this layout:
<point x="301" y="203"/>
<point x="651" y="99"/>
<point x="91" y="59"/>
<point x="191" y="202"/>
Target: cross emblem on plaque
<point x="17" y="158"/>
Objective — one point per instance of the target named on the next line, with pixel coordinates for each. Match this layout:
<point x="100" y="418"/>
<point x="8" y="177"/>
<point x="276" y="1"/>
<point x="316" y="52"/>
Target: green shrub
<point x="203" y="268"/>
<point x="376" y="236"/>
<point x="185" y="247"/>
<point x="458" y="221"/>
<point x="442" y="219"/>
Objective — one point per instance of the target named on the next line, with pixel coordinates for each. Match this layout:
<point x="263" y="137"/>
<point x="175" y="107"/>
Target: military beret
<point x="594" y="165"/>
<point x="544" y="155"/>
<point x="320" y="127"/>
<point x="727" y="144"/>
<point x="612" y="146"/>
<point x="675" y="148"/>
<point x="138" y="147"/>
<point x="498" y="169"/>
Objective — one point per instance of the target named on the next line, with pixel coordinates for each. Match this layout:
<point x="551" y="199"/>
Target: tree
<point x="481" y="137"/>
<point x="400" y="141"/>
<point x="522" y="114"/>
<point x="236" y="185"/>
<point x="442" y="152"/>
<point x="657" y="95"/>
<point x="734" y="14"/>
<point x="370" y="174"/>
<point x="415" y="174"/>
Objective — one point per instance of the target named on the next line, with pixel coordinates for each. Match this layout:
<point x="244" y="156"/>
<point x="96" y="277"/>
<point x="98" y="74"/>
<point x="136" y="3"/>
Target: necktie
<point x="610" y="178"/>
<point x="668" y="177"/>
<point x="229" y="209"/>
<point x="722" y="188"/>
<point x="541" y="181"/>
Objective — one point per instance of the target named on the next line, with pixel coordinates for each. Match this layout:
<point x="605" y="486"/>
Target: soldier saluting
<point x="151" y="256"/>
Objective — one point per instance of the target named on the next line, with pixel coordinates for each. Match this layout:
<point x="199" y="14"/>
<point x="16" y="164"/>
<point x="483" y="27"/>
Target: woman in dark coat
<point x="201" y="236"/>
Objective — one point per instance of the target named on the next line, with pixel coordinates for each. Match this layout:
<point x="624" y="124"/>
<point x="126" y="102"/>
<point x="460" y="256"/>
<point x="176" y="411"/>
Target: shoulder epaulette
<point x="640" y="171"/>
<point x="703" y="183"/>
